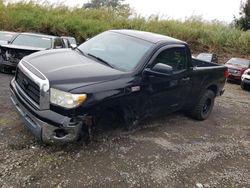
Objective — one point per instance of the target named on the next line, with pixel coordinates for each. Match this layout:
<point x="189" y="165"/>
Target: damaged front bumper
<point x="8" y="64"/>
<point x="47" y="126"/>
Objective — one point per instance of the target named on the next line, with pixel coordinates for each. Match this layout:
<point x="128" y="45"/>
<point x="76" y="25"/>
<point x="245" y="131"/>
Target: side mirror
<point x="159" y="69"/>
<point x="8" y="41"/>
<point x="73" y="46"/>
<point x="163" y="68"/>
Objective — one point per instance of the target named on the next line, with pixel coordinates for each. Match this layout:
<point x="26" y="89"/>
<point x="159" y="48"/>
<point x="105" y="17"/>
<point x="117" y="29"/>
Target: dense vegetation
<point x="84" y="23"/>
<point x="244" y="21"/>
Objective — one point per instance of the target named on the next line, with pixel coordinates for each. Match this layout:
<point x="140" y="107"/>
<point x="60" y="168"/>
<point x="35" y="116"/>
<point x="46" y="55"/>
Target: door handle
<point x="185" y="79"/>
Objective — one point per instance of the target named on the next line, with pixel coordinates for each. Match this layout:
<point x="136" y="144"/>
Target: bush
<point x="85" y="23"/>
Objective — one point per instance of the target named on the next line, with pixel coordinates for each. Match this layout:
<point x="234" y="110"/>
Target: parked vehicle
<point x="213" y="58"/>
<point x="236" y="67"/>
<point x="119" y="73"/>
<point x="6" y="36"/>
<point x="245" y="79"/>
<point x="69" y="42"/>
<point x="24" y="44"/>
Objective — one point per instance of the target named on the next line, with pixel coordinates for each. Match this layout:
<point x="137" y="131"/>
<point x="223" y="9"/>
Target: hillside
<point x="85" y="23"/>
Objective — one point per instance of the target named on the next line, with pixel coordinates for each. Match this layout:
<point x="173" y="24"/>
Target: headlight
<point x="237" y="72"/>
<point x="65" y="99"/>
<point x="244" y="75"/>
<point x="245" y="72"/>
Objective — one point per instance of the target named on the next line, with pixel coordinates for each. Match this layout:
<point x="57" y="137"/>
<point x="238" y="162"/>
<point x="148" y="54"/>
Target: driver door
<point x="168" y="92"/>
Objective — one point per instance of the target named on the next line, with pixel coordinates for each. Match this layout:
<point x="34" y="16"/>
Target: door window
<point x="174" y="57"/>
<point x="58" y="43"/>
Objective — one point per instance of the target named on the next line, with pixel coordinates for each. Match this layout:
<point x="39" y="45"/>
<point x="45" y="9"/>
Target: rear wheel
<point x="204" y="106"/>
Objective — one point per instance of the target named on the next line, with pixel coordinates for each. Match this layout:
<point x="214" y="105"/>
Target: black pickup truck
<point x="119" y="73"/>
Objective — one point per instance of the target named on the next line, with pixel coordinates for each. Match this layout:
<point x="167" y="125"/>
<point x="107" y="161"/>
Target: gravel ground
<point x="172" y="151"/>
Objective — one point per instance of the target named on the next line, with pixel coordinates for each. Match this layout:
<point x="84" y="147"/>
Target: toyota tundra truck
<point x="129" y="74"/>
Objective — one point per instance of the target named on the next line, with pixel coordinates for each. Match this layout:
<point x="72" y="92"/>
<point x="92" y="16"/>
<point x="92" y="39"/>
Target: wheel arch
<point x="213" y="88"/>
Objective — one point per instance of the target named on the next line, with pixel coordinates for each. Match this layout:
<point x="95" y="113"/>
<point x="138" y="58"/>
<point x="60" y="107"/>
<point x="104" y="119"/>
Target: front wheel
<point x="5" y="70"/>
<point x="204" y="106"/>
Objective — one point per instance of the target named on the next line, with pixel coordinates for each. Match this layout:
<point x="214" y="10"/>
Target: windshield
<point x="205" y="57"/>
<point x="120" y="51"/>
<point x="239" y="62"/>
<point x="33" y="41"/>
<point x="5" y="36"/>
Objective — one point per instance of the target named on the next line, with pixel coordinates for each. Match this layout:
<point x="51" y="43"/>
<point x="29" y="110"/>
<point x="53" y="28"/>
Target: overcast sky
<point x="222" y="10"/>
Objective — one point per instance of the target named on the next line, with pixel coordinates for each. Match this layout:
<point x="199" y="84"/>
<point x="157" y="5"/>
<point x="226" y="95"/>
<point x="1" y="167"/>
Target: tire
<point x="108" y="120"/>
<point x="204" y="106"/>
<point x="5" y="70"/>
<point x="242" y="85"/>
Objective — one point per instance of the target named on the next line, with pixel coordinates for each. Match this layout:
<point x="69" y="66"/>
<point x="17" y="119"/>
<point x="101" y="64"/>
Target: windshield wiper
<point x="79" y="50"/>
<point x="91" y="55"/>
<point x="100" y="59"/>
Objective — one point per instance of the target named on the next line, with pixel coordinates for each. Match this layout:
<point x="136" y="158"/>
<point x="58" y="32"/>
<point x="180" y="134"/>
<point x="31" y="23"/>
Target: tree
<point x="118" y="6"/>
<point x="244" y="21"/>
<point x="114" y="4"/>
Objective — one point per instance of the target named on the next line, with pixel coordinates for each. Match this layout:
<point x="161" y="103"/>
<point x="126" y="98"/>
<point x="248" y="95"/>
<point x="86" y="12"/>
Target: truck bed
<point x="201" y="63"/>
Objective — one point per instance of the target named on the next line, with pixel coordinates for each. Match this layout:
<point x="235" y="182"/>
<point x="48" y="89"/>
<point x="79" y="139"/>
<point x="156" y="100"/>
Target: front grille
<point x="28" y="86"/>
<point x="234" y="71"/>
<point x="14" y="55"/>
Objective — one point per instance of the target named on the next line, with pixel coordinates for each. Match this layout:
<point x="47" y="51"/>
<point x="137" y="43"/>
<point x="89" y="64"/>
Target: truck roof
<point x="8" y="32"/>
<point x="67" y="37"/>
<point x="38" y="34"/>
<point x="148" y="36"/>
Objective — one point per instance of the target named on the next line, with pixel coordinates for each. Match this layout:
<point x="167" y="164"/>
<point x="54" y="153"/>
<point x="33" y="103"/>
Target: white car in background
<point x="70" y="42"/>
<point x="245" y="79"/>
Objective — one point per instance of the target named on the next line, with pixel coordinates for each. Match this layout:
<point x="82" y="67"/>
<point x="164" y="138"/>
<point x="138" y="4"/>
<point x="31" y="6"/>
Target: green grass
<point x="83" y="23"/>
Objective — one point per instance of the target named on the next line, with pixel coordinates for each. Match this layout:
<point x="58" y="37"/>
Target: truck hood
<point x="20" y="47"/>
<point x="235" y="67"/>
<point x="14" y="53"/>
<point x="67" y="69"/>
<point x="3" y="42"/>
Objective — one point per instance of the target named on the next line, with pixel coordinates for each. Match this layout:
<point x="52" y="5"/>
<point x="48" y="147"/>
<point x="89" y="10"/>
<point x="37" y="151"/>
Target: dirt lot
<point x="172" y="151"/>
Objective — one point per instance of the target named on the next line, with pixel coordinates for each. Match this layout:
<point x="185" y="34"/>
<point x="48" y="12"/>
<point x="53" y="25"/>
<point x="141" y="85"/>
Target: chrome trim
<point x="43" y="84"/>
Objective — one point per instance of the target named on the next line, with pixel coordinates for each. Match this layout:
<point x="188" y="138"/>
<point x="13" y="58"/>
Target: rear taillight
<point x="227" y="73"/>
